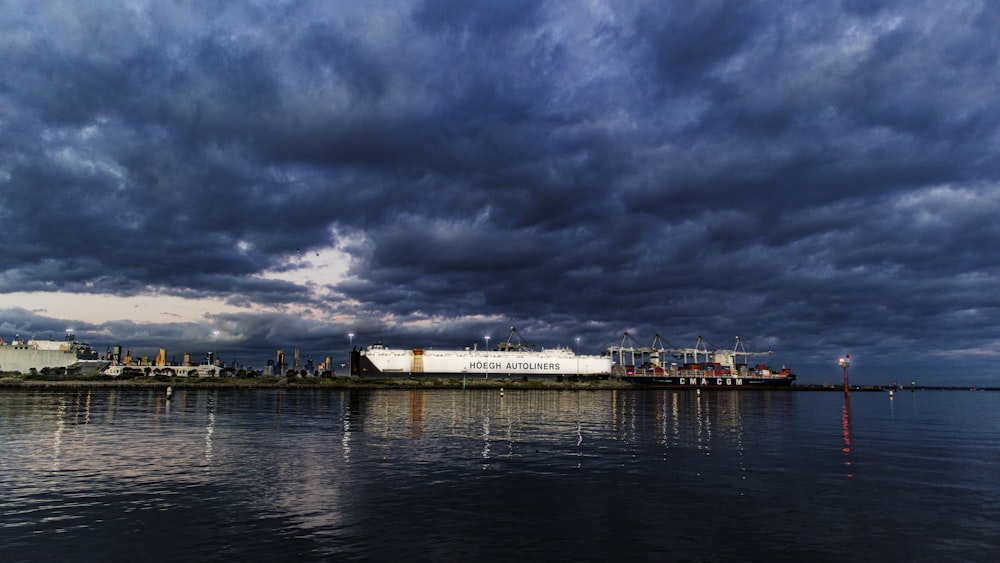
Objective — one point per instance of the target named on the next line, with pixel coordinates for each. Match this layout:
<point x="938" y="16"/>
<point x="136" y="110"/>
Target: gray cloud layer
<point x="817" y="178"/>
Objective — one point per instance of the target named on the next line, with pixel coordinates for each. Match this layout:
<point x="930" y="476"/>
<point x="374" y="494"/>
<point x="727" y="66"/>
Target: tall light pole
<point x="215" y="348"/>
<point x="577" y="356"/>
<point x="845" y="363"/>
<point x="350" y="354"/>
<point x="487" y="356"/>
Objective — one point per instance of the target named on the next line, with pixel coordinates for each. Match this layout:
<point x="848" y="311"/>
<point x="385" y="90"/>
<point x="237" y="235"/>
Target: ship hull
<point x="68" y="357"/>
<point x="26" y="360"/>
<point x="477" y="363"/>
<point x="694" y="382"/>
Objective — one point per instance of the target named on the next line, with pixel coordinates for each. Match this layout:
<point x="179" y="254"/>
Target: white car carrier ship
<point x="508" y="359"/>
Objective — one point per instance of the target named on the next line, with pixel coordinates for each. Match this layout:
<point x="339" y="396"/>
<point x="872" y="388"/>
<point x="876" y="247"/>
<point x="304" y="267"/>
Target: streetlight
<point x="845" y="363"/>
<point x="487" y="356"/>
<point x="350" y="354"/>
<point x="578" y="356"/>
<point x="215" y="346"/>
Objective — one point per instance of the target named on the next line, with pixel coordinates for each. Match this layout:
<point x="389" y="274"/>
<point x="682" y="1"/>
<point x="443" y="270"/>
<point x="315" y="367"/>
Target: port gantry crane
<point x="628" y="347"/>
<point x="698" y="353"/>
<point x="628" y="352"/>
<point x="701" y="352"/>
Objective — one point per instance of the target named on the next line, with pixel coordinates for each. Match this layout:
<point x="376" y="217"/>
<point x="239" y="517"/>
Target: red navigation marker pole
<point x="845" y="363"/>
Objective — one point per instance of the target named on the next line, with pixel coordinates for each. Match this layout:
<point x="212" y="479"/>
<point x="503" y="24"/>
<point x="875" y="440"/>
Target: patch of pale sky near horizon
<point x="316" y="270"/>
<point x="98" y="308"/>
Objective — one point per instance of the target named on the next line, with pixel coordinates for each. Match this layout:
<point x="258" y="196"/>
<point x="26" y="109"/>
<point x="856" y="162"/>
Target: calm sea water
<point x="443" y="475"/>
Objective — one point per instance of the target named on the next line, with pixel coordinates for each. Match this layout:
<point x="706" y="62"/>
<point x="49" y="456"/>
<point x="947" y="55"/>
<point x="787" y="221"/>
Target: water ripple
<point x="447" y="475"/>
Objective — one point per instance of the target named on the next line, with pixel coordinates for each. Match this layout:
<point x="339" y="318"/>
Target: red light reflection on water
<point x="845" y="419"/>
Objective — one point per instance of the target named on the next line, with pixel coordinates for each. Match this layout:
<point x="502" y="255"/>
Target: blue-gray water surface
<point x="450" y="475"/>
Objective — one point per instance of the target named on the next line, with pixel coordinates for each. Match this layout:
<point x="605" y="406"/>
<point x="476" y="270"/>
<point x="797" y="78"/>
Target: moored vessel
<point x="512" y="358"/>
<point x="35" y="356"/>
<point x="699" y="367"/>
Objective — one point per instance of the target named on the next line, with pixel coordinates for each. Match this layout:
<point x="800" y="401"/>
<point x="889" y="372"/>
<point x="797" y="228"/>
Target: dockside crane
<point x="698" y="351"/>
<point x="627" y="345"/>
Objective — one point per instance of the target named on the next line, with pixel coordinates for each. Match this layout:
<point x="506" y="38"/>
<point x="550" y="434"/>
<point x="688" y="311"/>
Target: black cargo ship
<point x="699" y="367"/>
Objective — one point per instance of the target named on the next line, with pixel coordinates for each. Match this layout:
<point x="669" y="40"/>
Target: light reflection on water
<point x="543" y="475"/>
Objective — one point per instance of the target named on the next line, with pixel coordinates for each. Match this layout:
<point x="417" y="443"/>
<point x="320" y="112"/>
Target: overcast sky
<point x="818" y="178"/>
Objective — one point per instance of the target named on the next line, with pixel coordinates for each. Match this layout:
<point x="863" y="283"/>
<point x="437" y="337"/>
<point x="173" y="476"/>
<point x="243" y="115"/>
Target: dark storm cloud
<point x="687" y="41"/>
<point x="815" y="178"/>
